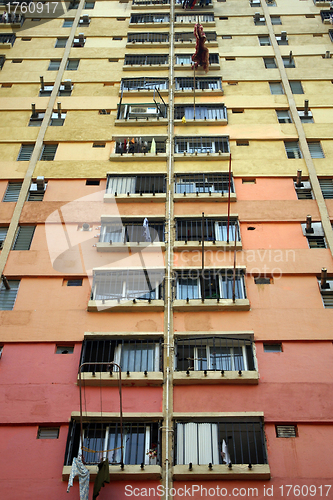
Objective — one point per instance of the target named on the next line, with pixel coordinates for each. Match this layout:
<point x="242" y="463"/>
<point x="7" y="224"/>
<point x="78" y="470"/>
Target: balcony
<point x="7" y="40"/>
<point x="195" y="187"/>
<point x="202" y="113"/>
<point x="186" y="85"/>
<point x="150" y="19"/>
<point x="326" y="16"/>
<point x="190" y="19"/>
<point x="118" y="235"/>
<point x="214" y="230"/>
<point x="199" y="4"/>
<point x="143" y="85"/>
<point x="187" y="39"/>
<point x="197" y="148"/>
<point x="214" y="289"/>
<point x="215" y="360"/>
<point x="140" y="361"/>
<point x="135" y="188"/>
<point x="142" y="113"/>
<point x="143" y="148"/>
<point x="155" y="61"/>
<point x="184" y="61"/>
<point x="127" y="289"/>
<point x="154" y="38"/>
<point x="13" y="20"/>
<point x="230" y="440"/>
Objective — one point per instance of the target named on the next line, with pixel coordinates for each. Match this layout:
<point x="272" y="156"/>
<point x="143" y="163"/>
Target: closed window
<point x="210" y="229"/>
<point x="25" y="152"/>
<point x="12" y="191"/>
<point x="8" y="295"/>
<point x="286" y="431"/>
<point x="274" y="347"/>
<point x="48" y="152"/>
<point x="57" y="119"/>
<point x="36" y="119"/>
<point x="276" y="20"/>
<point x="316" y="150"/>
<point x="293" y="149"/>
<point x="72" y="64"/>
<point x="283" y="116"/>
<point x="68" y="23"/>
<point x="296" y="87"/>
<point x="282" y="39"/>
<point x="89" y="5"/>
<point x="216" y="284"/>
<point x="326" y="186"/>
<point x="61" y="43"/>
<point x="24" y="238"/>
<point x="48" y="433"/>
<point x="135" y="184"/>
<point x="264" y="40"/>
<point x="276" y="88"/>
<point x="54" y="65"/>
<point x="288" y="62"/>
<point x="327" y="293"/>
<point x="270" y="62"/>
<point x="3" y="234"/>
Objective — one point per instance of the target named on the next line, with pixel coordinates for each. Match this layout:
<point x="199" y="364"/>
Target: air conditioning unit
<point x="40" y="181"/>
<point x="68" y="84"/>
<point x="141" y="111"/>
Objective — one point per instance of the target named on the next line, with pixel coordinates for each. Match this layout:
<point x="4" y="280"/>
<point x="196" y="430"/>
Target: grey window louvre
<point x="48" y="433"/>
<point x="77" y="282"/>
<point x="25" y="152"/>
<point x="8" y="297"/>
<point x="61" y="43"/>
<point x="72" y="64"/>
<point x="327" y="299"/>
<point x="68" y="23"/>
<point x="276" y="20"/>
<point x="287" y="63"/>
<point x="13" y="191"/>
<point x="304" y="192"/>
<point x="316" y="150"/>
<point x="286" y="431"/>
<point x="270" y="62"/>
<point x="276" y="88"/>
<point x="326" y="186"/>
<point x="3" y="234"/>
<point x="296" y="87"/>
<point x="49" y="151"/>
<point x="24" y="238"/>
<point x="316" y="241"/>
<point x="293" y="150"/>
<point x="283" y="116"/>
<point x="54" y="65"/>
<point x="264" y="40"/>
<point x="277" y="347"/>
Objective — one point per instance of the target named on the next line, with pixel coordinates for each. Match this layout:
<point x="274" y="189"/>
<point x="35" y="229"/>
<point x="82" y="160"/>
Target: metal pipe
<point x="323" y="277"/>
<point x="306" y="107"/>
<point x="299" y="178"/>
<point x="308" y="228"/>
<point x="203" y="257"/>
<point x="234" y="271"/>
<point x="229" y="194"/>
<point x="194" y="91"/>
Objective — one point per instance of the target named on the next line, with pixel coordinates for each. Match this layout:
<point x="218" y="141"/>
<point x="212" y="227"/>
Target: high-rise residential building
<point x="166" y="296"/>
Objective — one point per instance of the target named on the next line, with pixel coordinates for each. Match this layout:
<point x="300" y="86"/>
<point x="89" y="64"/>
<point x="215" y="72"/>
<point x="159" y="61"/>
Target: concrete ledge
<point x="133" y="379"/>
<point x="125" y="247"/>
<point x="212" y="305"/>
<point x="218" y="245"/>
<point x="178" y="24"/>
<point x="137" y="198"/>
<point x="157" y="6"/>
<point x="222" y="472"/>
<point x="139" y="157"/>
<point x="204" y="197"/>
<point x="202" y="122"/>
<point x="212" y="67"/>
<point x="145" y="67"/>
<point x="212" y="43"/>
<point x="145" y="92"/>
<point x="201" y="156"/>
<point x="215" y="378"/>
<point x="142" y="122"/>
<point x="114" y="306"/>
<point x="5" y="45"/>
<point x="130" y="472"/>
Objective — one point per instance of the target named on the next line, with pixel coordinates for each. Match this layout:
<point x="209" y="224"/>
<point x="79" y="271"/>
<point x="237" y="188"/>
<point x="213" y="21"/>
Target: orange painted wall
<point x="266" y="188"/>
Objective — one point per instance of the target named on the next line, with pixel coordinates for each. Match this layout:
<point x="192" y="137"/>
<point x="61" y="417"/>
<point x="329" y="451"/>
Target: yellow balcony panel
<point x="222" y="472"/>
<point x="204" y="197"/>
<point x="199" y="92"/>
<point x="145" y="67"/>
<point x="216" y="378"/>
<point x="208" y="24"/>
<point x="126" y="247"/>
<point x="202" y="122"/>
<point x="211" y="305"/>
<point x="218" y="245"/>
<point x="201" y="156"/>
<point x="139" y="45"/>
<point x="188" y="67"/>
<point x="130" y="472"/>
<point x="142" y="122"/>
<point x="152" y="379"/>
<point x="138" y="157"/>
<point x="127" y="306"/>
<point x="135" y="198"/>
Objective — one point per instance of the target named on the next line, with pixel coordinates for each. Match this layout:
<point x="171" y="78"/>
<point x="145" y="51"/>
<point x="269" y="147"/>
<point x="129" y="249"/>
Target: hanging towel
<point x="201" y="55"/>
<point x="153" y="147"/>
<point x="184" y="119"/>
<point x="225" y="452"/>
<point x="146" y="232"/>
<point x="102" y="477"/>
<point x="78" y="468"/>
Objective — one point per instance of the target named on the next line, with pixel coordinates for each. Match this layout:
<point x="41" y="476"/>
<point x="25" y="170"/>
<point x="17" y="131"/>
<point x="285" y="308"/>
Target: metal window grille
<point x="149" y="18"/>
<point x="144" y="83"/>
<point x="54" y="65"/>
<point x="24" y="238"/>
<point x="316" y="150"/>
<point x="194" y="18"/>
<point x="151" y="2"/>
<point x="8" y="297"/>
<point x="7" y="38"/>
<point x="270" y="62"/>
<point x="48" y="433"/>
<point x="276" y="88"/>
<point x="325" y="15"/>
<point x="201" y="83"/>
<point x="202" y="112"/>
<point x="138" y="440"/>
<point x="137" y="355"/>
<point x="12" y="191"/>
<point x="201" y="144"/>
<point x="316" y="241"/>
<point x="13" y="18"/>
<point x="292" y="149"/>
<point x="201" y="3"/>
<point x="146" y="60"/>
<point x="283" y="116"/>
<point x="148" y="37"/>
<point x="25" y="152"/>
<point x="3" y="234"/>
<point x="288" y="63"/>
<point x="139" y="145"/>
<point x="215" y="353"/>
<point x="143" y="284"/>
<point x="129" y="231"/>
<point x="226" y="441"/>
<point x="296" y="87"/>
<point x="264" y="40"/>
<point x="203" y="183"/>
<point x="304" y="194"/>
<point x="187" y="59"/>
<point x="276" y="20"/>
<point x="213" y="230"/>
<point x="188" y="36"/>
<point x="217" y="283"/>
<point x="72" y="64"/>
<point x="138" y="184"/>
<point x="326" y="188"/>
<point x="49" y="152"/>
<point x="142" y="110"/>
<point x="286" y="431"/>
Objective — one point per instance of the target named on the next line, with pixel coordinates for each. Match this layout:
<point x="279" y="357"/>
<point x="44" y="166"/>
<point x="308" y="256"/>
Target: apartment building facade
<point x="166" y="248"/>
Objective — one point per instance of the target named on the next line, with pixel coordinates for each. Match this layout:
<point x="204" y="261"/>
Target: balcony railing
<point x="129" y="231"/>
<point x="186" y="59"/>
<point x="201" y="83"/>
<point x="138" y="440"/>
<point x="194" y="18"/>
<point x="136" y="184"/>
<point x="140" y="145"/>
<point x="192" y="145"/>
<point x="142" y="83"/>
<point x="326" y="16"/>
<point x="148" y="37"/>
<point x="217" y="353"/>
<point x="188" y="36"/>
<point x="12" y="19"/>
<point x="151" y="2"/>
<point x="149" y="18"/>
<point x="213" y="230"/>
<point x="202" y="112"/>
<point x="7" y="38"/>
<point x="131" y="355"/>
<point x="200" y="3"/>
<point x="146" y="60"/>
<point x="142" y="111"/>
<point x="127" y="284"/>
<point x="203" y="183"/>
<point x="226" y="441"/>
<point x="212" y="284"/>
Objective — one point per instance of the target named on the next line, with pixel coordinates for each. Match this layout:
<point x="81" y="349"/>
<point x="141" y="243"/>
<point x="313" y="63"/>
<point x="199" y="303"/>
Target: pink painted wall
<point x="266" y="188"/>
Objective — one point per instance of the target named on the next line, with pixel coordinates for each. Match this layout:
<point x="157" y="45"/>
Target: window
<point x="13" y="191"/>
<point x="135" y="184"/>
<point x="264" y="40"/>
<point x="203" y="183"/>
<point x="296" y="87"/>
<point x="68" y="23"/>
<point x="61" y="43"/>
<point x="293" y="149"/>
<point x="330" y="32"/>
<point x="104" y="111"/>
<point x="276" y="347"/>
<point x="138" y="355"/>
<point x="123" y="231"/>
<point x="146" y="60"/>
<point x="286" y="431"/>
<point x="3" y="234"/>
<point x="316" y="241"/>
<point x="73" y="5"/>
<point x="79" y="41"/>
<point x="48" y="152"/>
<point x="139" y="438"/>
<point x="305" y="117"/>
<point x="37" y="190"/>
<point x="2" y="61"/>
<point x="213" y="230"/>
<point x="196" y="18"/>
<point x="8" y="38"/>
<point x="8" y="296"/>
<point x="242" y="143"/>
<point x="46" y="91"/>
<point x="226" y="37"/>
<point x="140" y="145"/>
<point x="282" y="39"/>
<point x="57" y="119"/>
<point x="271" y="3"/>
<point x="316" y="150"/>
<point x="54" y="65"/>
<point x="261" y="280"/>
<point x="36" y="119"/>
<point x="144" y="83"/>
<point x="72" y="64"/>
<point x="276" y="88"/>
<point x="17" y="61"/>
<point x="327" y="293"/>
<point x="276" y="20"/>
<point x="24" y="237"/>
<point x="201" y="145"/>
<point x="326" y="186"/>
<point x="99" y="145"/>
<point x="64" y="349"/>
<point x="201" y="83"/>
<point x="66" y="88"/>
<point x="283" y="116"/>
<point x="217" y="283"/>
<point x="228" y="440"/>
<point x="288" y="62"/>
<point x="148" y="37"/>
<point x="217" y="353"/>
<point x="89" y="5"/>
<point x="1" y="351"/>
<point x="304" y="191"/>
<point x="92" y="182"/>
<point x="202" y="112"/>
<point x="259" y="20"/>
<point x="149" y="18"/>
<point x="25" y="152"/>
<point x="270" y="62"/>
<point x="255" y="3"/>
<point x="48" y="433"/>
<point x="77" y="282"/>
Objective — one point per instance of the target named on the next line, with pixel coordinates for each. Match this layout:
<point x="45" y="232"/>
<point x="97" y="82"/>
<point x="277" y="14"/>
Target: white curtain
<point x="121" y="185"/>
<point x="197" y="443"/>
